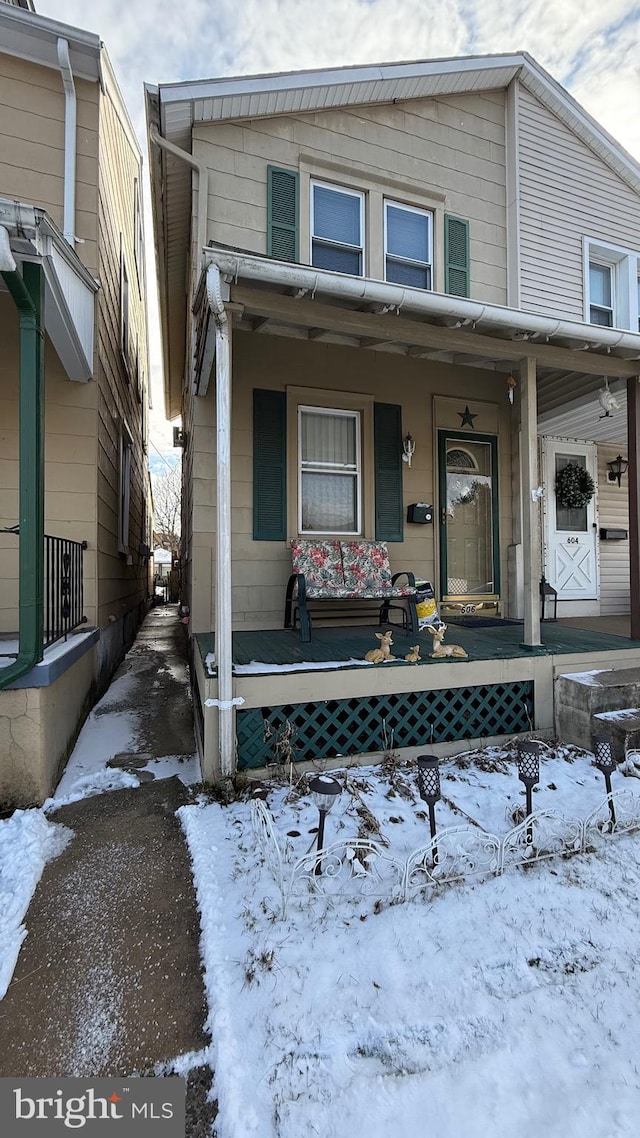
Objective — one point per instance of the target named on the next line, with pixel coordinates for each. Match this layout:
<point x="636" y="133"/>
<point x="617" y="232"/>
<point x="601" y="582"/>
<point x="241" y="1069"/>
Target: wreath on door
<point x="574" y="487"/>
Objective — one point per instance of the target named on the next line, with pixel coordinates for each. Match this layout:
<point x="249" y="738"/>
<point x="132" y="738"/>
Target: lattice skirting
<point x="374" y="723"/>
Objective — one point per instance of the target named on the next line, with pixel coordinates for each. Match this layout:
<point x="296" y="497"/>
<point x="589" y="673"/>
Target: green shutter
<point x="283" y="214"/>
<point x="387" y="445"/>
<point x="269" y="466"/>
<point x="456" y="256"/>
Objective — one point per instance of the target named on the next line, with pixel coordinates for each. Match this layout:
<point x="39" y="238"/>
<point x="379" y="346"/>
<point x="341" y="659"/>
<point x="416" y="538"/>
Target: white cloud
<point x="589" y="46"/>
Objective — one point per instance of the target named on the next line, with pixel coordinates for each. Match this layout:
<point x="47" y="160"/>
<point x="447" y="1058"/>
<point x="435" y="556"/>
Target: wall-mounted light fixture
<point x="408" y="447"/>
<point x="617" y="467"/>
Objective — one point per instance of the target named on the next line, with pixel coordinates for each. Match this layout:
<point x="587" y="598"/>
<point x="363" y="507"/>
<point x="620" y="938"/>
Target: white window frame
<point x="325" y="468"/>
<point x="125" y="315"/>
<point x="407" y="260"/>
<point x="124" y="487"/>
<point x="359" y="194"/>
<point x="599" y="264"/>
<point x="624" y="265"/>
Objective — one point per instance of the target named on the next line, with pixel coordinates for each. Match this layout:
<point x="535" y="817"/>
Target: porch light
<point x="606" y="764"/>
<point x="617" y="467"/>
<point x="408" y="449"/>
<point x="429" y="789"/>
<point x="324" y="792"/>
<point x="529" y="774"/>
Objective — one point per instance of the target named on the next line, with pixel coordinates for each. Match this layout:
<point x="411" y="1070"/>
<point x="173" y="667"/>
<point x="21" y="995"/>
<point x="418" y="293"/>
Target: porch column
<point x="530" y="507"/>
<point x="223" y="600"/>
<point x="633" y="443"/>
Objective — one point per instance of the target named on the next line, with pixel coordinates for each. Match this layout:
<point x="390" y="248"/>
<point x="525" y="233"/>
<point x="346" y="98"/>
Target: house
<point x="434" y="260"/>
<point x="75" y="516"/>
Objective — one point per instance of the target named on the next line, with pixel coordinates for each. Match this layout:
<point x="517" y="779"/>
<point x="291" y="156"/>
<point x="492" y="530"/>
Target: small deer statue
<point x="382" y="654"/>
<point x="413" y="655"/>
<point x="442" y="651"/>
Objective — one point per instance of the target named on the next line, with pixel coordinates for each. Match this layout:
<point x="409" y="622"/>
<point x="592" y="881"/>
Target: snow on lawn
<point x="27" y="842"/>
<point x="504" y="1007"/>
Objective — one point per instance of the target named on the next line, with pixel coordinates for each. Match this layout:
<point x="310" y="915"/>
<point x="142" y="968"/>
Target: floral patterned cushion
<point x="366" y="566"/>
<point x="343" y="594"/>
<point x="319" y="561"/>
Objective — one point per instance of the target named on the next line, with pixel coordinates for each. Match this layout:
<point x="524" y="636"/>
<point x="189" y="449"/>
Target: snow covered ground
<point x="508" y="1006"/>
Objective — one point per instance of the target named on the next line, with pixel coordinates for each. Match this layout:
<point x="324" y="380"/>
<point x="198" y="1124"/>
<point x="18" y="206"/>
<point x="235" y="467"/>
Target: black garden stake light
<point x="429" y="788"/>
<point x="324" y="791"/>
<point x="529" y="774"/>
<point x="605" y="762"/>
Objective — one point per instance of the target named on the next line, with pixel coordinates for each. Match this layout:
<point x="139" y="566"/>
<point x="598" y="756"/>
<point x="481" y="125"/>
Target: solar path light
<point x="529" y="774"/>
<point x="606" y="763"/>
<point x="429" y="789"/>
<point x="324" y="792"/>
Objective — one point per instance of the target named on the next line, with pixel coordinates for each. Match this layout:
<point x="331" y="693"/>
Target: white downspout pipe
<point x="70" y="117"/>
<point x="203" y="188"/>
<point x="223" y="641"/>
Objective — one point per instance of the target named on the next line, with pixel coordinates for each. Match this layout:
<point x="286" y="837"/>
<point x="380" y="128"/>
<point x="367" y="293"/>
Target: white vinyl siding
<point x="567" y="193"/>
<point x="613" y="512"/>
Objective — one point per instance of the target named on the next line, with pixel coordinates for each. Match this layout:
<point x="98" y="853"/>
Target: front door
<point x="571" y="551"/>
<point x="469" y="544"/>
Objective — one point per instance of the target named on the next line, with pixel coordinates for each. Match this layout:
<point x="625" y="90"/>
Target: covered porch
<point x="260" y="299"/>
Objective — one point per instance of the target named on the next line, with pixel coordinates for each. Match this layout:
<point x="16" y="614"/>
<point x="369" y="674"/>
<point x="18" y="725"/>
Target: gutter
<point x="27" y="293"/>
<point x="70" y="117"/>
<point x="223" y="598"/>
<point x="392" y="297"/>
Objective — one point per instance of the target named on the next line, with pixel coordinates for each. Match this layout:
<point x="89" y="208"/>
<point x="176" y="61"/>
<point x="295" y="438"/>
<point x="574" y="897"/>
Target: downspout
<point x="203" y="184"/>
<point x="27" y="292"/>
<point x="70" y="116"/>
<point x="223" y="639"/>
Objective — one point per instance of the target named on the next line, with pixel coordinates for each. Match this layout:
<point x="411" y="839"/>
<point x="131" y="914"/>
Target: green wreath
<point x="574" y="487"/>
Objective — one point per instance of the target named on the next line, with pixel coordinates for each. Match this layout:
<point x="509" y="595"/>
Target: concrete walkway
<point x="108" y="981"/>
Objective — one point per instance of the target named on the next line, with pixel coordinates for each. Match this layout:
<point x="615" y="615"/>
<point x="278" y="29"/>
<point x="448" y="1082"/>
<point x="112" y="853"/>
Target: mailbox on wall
<point x="420" y="514"/>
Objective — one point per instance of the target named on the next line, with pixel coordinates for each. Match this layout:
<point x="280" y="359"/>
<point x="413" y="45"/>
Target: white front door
<point x="570" y="535"/>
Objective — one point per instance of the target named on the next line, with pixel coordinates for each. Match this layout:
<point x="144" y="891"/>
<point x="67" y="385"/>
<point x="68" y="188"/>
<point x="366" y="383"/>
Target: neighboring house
<point x="74" y="419"/>
<point x="445" y="250"/>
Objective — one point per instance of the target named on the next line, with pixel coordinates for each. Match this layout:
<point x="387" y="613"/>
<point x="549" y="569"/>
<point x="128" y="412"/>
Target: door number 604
<point x="572" y="541"/>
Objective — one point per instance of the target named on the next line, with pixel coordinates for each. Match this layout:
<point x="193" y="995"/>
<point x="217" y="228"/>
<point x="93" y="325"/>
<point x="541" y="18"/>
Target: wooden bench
<point x="346" y="572"/>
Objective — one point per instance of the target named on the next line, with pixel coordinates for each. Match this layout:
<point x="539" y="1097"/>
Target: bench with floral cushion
<point x="344" y="571"/>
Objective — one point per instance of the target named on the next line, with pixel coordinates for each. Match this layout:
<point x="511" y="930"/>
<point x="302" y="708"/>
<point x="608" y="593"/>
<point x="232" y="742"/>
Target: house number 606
<point x="572" y="541"/>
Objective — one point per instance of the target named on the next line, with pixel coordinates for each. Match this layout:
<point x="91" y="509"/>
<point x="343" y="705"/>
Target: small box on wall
<point x="420" y="514"/>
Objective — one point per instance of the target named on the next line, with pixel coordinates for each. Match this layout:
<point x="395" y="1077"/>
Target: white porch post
<point x="223" y="601"/>
<point x="530" y="507"/>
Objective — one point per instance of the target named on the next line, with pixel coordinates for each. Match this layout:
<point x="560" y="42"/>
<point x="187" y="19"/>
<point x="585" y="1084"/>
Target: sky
<point x="590" y="46"/>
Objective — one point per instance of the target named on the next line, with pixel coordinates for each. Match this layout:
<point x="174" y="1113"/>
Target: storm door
<point x="469" y="541"/>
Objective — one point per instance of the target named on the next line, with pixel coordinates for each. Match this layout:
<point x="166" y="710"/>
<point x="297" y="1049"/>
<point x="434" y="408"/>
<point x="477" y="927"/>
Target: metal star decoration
<point x="467" y="418"/>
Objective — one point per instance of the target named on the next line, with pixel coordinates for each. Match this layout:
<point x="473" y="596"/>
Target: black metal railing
<point x="63" y="587"/>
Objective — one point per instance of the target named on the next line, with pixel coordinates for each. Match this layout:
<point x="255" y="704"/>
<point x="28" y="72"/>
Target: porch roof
<point x="270" y="296"/>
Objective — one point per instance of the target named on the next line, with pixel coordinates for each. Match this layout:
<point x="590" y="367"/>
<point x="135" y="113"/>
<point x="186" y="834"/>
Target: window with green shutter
<point x="269" y="465"/>
<point x="283" y="214"/>
<point x="387" y="446"/>
<point x="456" y="256"/>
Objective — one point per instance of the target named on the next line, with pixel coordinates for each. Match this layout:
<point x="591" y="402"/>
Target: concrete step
<point x="582" y="696"/>
<point x="622" y="727"/>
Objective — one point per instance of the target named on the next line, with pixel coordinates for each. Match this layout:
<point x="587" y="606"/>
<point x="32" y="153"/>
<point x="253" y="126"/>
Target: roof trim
<point x="29" y="36"/>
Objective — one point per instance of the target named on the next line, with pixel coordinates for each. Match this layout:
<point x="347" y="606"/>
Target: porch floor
<point x="491" y="641"/>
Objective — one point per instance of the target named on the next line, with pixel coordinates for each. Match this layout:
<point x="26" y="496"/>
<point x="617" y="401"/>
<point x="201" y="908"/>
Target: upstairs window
<point x="337" y="229"/>
<point x="126" y="443"/>
<point x="408" y="244"/>
<point x="329" y="471"/>
<point x="124" y="308"/>
<point x="601" y="294"/>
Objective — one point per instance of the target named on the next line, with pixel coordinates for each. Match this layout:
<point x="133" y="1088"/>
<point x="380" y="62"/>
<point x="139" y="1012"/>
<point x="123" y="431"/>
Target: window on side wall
<point x="329" y="471"/>
<point x="126" y="443"/>
<point x="337" y="229"/>
<point x="612" y="288"/>
<point x="601" y="294"/>
<point x="124" y="309"/>
<point x="408" y="245"/>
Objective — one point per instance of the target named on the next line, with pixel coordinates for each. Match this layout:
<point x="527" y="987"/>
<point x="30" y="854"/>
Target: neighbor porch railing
<point x="63" y="587"/>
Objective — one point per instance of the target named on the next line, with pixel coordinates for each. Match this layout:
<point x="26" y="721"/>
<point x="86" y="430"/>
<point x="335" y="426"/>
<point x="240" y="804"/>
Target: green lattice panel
<point x="353" y="726"/>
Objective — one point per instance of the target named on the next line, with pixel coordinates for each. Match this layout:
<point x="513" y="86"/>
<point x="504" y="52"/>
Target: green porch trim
<point x="363" y="724"/>
<point x="27" y="292"/>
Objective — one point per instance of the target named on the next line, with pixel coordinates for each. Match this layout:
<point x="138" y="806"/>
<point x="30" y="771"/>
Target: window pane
<point x="329" y="503"/>
<point x="407" y="234"/>
<point x="570" y="520"/>
<point x="399" y="273"/>
<point x="469" y="529"/>
<point x="338" y="260"/>
<point x="601" y="316"/>
<point x="328" y="439"/>
<point x="600" y="285"/>
<point x="336" y="215"/>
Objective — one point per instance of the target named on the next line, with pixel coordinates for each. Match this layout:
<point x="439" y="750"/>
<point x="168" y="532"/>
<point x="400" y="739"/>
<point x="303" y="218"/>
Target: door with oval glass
<point x="570" y="532"/>
<point x="469" y="539"/>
